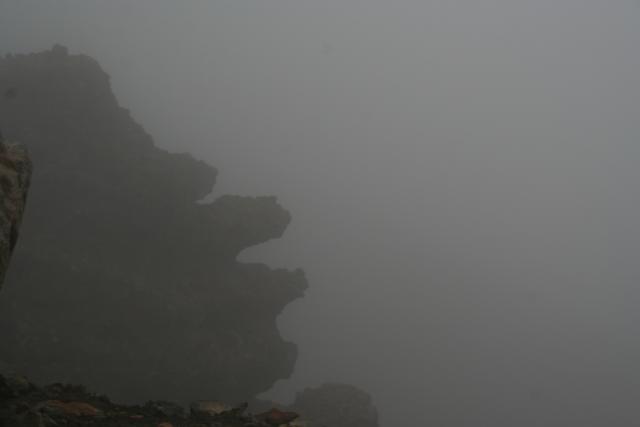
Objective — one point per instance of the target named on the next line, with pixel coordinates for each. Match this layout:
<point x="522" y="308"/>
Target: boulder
<point x="15" y="174"/>
<point x="336" y="405"/>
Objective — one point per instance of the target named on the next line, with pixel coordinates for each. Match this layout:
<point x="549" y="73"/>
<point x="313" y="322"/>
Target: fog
<point x="462" y="175"/>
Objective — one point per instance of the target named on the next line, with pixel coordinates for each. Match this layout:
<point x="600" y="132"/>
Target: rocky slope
<point x="121" y="281"/>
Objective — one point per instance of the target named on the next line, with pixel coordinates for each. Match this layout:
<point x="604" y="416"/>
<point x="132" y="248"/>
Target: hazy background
<point x="463" y="176"/>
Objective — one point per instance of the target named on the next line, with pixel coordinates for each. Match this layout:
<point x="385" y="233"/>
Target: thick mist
<point x="462" y="175"/>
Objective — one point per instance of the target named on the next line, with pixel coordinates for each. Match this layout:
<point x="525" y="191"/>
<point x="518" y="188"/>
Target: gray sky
<point x="462" y="174"/>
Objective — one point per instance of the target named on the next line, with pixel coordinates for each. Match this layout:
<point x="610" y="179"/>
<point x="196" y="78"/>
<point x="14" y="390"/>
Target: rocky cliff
<point x="121" y="280"/>
<point x="15" y="175"/>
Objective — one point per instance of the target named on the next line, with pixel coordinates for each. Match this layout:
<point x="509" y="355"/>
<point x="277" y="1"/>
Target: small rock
<point x="76" y="409"/>
<point x="208" y="408"/>
<point x="32" y="419"/>
<point x="164" y="409"/>
<point x="18" y="384"/>
<point x="236" y="411"/>
<point x="276" y="417"/>
<point x="5" y="391"/>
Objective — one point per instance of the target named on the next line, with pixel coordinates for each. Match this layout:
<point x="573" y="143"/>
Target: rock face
<point x="15" y="174"/>
<point x="336" y="405"/>
<point x="121" y="280"/>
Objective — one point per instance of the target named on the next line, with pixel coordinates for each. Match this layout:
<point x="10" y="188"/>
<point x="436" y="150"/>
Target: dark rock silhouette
<point x="121" y="281"/>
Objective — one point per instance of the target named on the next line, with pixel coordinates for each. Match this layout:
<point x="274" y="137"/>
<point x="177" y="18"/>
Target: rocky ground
<point x="23" y="404"/>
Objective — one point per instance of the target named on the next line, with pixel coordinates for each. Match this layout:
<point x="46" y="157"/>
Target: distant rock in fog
<point x="336" y="405"/>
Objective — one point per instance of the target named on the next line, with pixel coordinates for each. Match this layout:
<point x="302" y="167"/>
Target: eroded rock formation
<point x="122" y="281"/>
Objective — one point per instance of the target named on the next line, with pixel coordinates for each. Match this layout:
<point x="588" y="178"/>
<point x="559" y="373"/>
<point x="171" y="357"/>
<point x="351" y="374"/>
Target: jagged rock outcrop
<point x="336" y="405"/>
<point x="15" y="174"/>
<point x="121" y="280"/>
